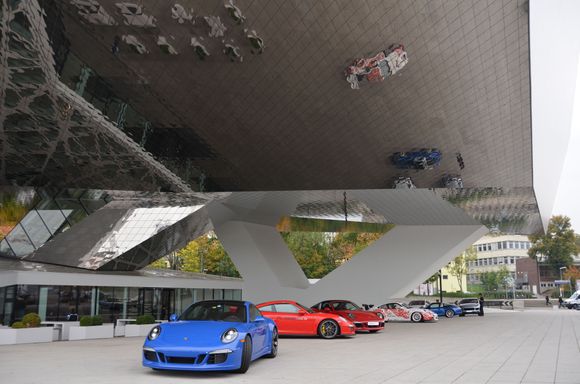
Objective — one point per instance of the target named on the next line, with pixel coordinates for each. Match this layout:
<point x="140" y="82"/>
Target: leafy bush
<point x="18" y="325"/>
<point x="145" y="319"/>
<point x="31" y="320"/>
<point x="86" y="321"/>
<point x="89" y="321"/>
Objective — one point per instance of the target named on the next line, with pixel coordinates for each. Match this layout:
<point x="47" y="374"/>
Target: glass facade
<point x="52" y="214"/>
<point x="55" y="303"/>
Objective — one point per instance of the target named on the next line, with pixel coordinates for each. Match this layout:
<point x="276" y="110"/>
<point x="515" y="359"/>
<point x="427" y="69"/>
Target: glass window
<point x="286" y="308"/>
<point x="132" y="303"/>
<point x="228" y="294"/>
<point x="229" y="311"/>
<point x="218" y="294"/>
<point x="254" y="312"/>
<point x="85" y="303"/>
<point x="52" y="303"/>
<point x="19" y="241"/>
<point x="110" y="306"/>
<point x="237" y="294"/>
<point x="208" y="294"/>
<point x="26" y="301"/>
<point x="445" y="277"/>
<point x="268" y="308"/>
<point x="35" y="228"/>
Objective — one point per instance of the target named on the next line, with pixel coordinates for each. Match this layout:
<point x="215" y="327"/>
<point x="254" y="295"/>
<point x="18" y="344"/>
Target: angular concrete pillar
<point x="262" y="258"/>
<point x="396" y="263"/>
<point x="390" y="267"/>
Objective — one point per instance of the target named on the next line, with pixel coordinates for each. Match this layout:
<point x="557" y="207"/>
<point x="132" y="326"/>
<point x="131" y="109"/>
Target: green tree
<point x="216" y="260"/>
<point x="204" y="254"/>
<point x="312" y="252"/>
<point x="319" y="253"/>
<point x="557" y="245"/>
<point x="460" y="265"/>
<point x="494" y="280"/>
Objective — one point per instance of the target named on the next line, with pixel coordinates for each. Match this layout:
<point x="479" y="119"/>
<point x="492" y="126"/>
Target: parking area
<point x="534" y="346"/>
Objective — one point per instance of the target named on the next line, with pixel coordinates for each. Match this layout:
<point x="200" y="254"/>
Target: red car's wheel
<point x="328" y="329"/>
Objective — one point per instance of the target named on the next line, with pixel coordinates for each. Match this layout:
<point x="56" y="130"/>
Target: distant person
<point x="560" y="302"/>
<point x="547" y="300"/>
<point x="481" y="304"/>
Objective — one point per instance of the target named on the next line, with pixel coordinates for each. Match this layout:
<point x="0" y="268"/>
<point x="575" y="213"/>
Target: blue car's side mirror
<point x="173" y="317"/>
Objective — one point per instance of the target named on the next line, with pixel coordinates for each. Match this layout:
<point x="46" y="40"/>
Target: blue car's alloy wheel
<point x="274" y="348"/>
<point x="246" y="356"/>
<point x="449" y="313"/>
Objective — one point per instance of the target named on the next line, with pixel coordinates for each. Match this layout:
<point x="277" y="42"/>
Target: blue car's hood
<point x="198" y="331"/>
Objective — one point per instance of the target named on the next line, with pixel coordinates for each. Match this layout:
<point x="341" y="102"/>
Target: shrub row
<point x="89" y="321"/>
<point x="145" y="319"/>
<point x="30" y="320"/>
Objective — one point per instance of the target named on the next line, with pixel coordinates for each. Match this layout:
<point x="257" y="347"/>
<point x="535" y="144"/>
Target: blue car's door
<point x="436" y="307"/>
<point x="258" y="328"/>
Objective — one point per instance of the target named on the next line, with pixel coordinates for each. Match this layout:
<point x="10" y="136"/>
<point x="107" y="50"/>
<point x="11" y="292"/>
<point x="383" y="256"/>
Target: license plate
<point x="373" y="323"/>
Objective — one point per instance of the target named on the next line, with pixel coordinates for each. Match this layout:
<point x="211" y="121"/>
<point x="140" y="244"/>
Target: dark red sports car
<point x="371" y="321"/>
<point x="292" y="318"/>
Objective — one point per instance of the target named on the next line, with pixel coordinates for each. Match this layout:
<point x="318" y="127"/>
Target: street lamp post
<point x="560" y="285"/>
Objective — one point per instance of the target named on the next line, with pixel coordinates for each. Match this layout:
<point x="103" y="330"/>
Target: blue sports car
<point x="426" y="158"/>
<point x="447" y="310"/>
<point x="211" y="336"/>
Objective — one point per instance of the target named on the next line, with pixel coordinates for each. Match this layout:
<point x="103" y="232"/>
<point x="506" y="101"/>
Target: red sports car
<point x="292" y="318"/>
<point x="363" y="320"/>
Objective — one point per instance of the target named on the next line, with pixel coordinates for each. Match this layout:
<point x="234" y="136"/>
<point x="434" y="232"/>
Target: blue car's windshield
<point x="234" y="312"/>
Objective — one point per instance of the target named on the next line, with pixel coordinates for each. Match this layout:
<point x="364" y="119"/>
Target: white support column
<point x="396" y="263"/>
<point x="262" y="258"/>
<point x="390" y="267"/>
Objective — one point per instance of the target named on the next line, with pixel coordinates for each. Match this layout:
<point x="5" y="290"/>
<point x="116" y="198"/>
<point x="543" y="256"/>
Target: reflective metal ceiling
<point x="286" y="119"/>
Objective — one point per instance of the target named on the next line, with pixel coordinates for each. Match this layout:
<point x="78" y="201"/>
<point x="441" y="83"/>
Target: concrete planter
<point x="25" y="335"/>
<point x="104" y="331"/>
<point x="134" y="330"/>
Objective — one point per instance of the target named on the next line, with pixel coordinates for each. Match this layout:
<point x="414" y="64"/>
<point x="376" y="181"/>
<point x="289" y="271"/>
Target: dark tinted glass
<point x="230" y="311"/>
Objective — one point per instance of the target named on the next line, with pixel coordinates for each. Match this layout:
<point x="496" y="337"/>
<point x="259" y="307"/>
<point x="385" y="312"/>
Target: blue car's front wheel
<point x="274" y="348"/>
<point x="246" y="356"/>
<point x="449" y="313"/>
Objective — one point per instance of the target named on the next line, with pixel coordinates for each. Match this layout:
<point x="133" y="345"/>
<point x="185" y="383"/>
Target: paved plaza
<point x="535" y="346"/>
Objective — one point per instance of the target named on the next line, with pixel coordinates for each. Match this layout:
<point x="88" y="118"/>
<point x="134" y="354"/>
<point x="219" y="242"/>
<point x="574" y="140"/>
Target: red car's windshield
<point x="305" y="308"/>
<point x="345" y="306"/>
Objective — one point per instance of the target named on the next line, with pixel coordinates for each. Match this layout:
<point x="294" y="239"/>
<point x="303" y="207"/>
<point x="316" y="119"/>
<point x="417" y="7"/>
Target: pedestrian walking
<point x="560" y="302"/>
<point x="481" y="304"/>
<point x="547" y="301"/>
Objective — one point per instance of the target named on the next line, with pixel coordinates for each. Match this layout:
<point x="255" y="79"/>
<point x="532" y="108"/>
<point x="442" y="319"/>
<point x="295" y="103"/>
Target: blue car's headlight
<point x="229" y="335"/>
<point x="154" y="333"/>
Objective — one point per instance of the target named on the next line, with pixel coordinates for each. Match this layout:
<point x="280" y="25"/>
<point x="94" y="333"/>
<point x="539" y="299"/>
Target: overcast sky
<point x="555" y="74"/>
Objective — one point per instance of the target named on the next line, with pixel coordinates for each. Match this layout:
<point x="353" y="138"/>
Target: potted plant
<point x="28" y="330"/>
<point x="91" y="327"/>
<point x="142" y="326"/>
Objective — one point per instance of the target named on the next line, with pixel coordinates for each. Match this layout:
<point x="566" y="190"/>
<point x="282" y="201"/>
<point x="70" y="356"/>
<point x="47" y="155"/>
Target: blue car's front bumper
<point x="222" y="357"/>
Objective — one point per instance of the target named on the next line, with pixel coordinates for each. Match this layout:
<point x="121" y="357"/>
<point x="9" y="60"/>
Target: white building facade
<point x="495" y="252"/>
